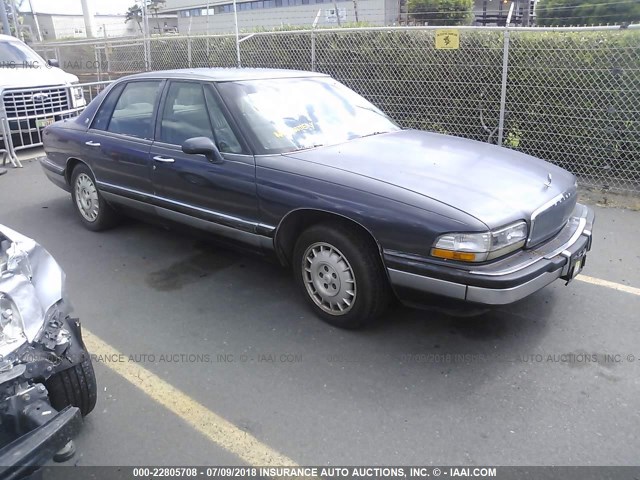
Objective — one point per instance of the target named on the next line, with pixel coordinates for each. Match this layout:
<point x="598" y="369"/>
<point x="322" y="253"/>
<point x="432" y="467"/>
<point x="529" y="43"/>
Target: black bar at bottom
<point x="353" y="472"/>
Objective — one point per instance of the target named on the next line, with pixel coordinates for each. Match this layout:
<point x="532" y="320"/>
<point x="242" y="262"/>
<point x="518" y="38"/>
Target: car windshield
<point x="14" y="54"/>
<point x="285" y="115"/>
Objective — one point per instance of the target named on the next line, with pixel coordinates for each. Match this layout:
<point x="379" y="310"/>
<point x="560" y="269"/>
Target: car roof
<point x="226" y="74"/>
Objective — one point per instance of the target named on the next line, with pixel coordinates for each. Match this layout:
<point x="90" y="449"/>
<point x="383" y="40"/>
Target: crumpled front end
<point x="38" y="339"/>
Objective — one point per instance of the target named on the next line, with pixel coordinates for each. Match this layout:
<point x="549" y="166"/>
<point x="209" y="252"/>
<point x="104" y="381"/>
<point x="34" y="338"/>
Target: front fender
<point x="389" y="214"/>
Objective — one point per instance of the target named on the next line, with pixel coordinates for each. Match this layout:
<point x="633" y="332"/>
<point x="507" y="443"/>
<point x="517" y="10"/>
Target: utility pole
<point x="208" y="7"/>
<point x="35" y="20"/>
<point x="146" y="35"/>
<point x="5" y="19"/>
<point x="235" y="17"/>
<point x="89" y="18"/>
<point x="527" y="13"/>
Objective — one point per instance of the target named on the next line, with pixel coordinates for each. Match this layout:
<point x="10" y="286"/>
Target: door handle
<point x="163" y="159"/>
<point x="92" y="144"/>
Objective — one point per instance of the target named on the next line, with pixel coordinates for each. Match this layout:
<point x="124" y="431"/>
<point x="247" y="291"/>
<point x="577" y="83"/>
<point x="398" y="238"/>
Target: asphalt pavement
<point x="551" y="380"/>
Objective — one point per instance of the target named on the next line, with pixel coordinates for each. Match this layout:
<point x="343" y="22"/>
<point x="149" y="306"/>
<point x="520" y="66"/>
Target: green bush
<point x="586" y="12"/>
<point x="575" y="97"/>
<point x="572" y="97"/>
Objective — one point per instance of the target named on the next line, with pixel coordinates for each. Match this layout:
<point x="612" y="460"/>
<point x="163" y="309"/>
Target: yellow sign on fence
<point x="447" y="39"/>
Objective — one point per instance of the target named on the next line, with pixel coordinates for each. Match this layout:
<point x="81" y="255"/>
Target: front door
<point x="191" y="185"/>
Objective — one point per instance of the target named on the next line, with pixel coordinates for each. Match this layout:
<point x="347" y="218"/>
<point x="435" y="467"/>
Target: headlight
<point x="11" y="330"/>
<point x="478" y="247"/>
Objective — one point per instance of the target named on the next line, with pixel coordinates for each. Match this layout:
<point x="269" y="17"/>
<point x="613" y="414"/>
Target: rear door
<point x="120" y="138"/>
<point x="223" y="193"/>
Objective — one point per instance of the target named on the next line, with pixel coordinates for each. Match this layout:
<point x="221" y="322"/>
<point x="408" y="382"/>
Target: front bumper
<point x="35" y="448"/>
<point x="33" y="431"/>
<point x="505" y="281"/>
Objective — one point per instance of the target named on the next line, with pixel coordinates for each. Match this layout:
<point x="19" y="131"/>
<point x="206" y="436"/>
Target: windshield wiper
<point x="308" y="148"/>
<point x="371" y="134"/>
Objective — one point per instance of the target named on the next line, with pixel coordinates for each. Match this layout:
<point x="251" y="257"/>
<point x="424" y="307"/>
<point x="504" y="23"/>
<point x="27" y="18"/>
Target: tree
<point x="441" y="12"/>
<point x="154" y="6"/>
<point x="7" y="4"/>
<point x="586" y="12"/>
<point x="134" y="14"/>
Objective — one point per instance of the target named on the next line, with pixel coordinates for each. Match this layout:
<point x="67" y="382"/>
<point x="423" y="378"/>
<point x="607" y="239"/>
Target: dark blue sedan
<point x="297" y="165"/>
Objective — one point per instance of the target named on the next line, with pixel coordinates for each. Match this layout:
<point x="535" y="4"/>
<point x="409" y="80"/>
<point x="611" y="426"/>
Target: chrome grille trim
<point x="557" y="201"/>
<point x="36" y="101"/>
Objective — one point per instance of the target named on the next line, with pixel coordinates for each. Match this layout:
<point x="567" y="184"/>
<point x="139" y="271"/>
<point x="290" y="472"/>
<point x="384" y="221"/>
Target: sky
<point x="75" y="6"/>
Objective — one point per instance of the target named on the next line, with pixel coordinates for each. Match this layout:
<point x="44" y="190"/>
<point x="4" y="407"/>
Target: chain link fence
<point x="569" y="96"/>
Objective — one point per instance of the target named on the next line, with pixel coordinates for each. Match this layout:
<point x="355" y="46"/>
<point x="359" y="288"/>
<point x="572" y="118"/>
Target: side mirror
<point x="203" y="146"/>
<point x="53" y="62"/>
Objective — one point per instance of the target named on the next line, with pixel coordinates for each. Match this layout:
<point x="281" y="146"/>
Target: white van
<point x="34" y="93"/>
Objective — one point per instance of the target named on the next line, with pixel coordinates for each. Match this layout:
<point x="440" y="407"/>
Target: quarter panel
<point x="61" y="142"/>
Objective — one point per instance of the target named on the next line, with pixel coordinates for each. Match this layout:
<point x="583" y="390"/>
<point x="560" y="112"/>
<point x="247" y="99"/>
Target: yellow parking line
<point x="223" y="433"/>
<point x="606" y="283"/>
<point x="220" y="431"/>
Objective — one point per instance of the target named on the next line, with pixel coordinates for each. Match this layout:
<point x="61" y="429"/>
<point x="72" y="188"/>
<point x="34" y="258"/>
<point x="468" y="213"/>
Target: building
<point x="494" y="12"/>
<point x="67" y="26"/>
<point x="196" y="17"/>
<point x="55" y="26"/>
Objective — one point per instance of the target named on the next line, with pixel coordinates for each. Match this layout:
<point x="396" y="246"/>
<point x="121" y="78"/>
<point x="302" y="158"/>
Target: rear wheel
<point x="341" y="276"/>
<point x="74" y="386"/>
<point x="94" y="212"/>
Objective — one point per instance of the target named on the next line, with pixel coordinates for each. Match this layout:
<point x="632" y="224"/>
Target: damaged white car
<point x="47" y="382"/>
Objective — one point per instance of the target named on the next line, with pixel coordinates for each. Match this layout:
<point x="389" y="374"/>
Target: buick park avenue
<point x="297" y="165"/>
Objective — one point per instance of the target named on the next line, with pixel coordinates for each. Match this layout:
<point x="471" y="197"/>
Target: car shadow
<point x="405" y="341"/>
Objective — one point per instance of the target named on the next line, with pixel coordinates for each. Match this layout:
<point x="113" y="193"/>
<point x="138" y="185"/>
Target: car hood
<point x="34" y="77"/>
<point x="495" y="185"/>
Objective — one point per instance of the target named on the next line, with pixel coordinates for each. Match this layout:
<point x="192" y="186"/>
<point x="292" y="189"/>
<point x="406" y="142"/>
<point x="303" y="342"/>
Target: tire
<point x="94" y="212"/>
<point x="75" y="386"/>
<point x="340" y="274"/>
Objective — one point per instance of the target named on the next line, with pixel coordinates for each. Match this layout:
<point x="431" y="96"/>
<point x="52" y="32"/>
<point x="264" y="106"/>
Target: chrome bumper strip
<point x="427" y="284"/>
<point x="503" y="296"/>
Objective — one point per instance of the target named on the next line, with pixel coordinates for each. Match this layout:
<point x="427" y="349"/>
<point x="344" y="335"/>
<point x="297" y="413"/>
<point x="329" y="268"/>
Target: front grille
<point x="550" y="218"/>
<point x="38" y="101"/>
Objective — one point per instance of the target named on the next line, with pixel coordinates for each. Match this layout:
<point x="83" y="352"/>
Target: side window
<point x="133" y="114"/>
<point x="184" y="114"/>
<point x="227" y="140"/>
<point x="101" y="120"/>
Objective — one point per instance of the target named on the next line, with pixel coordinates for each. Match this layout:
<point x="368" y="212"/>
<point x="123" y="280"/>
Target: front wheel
<point x="74" y="386"/>
<point x="341" y="275"/>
